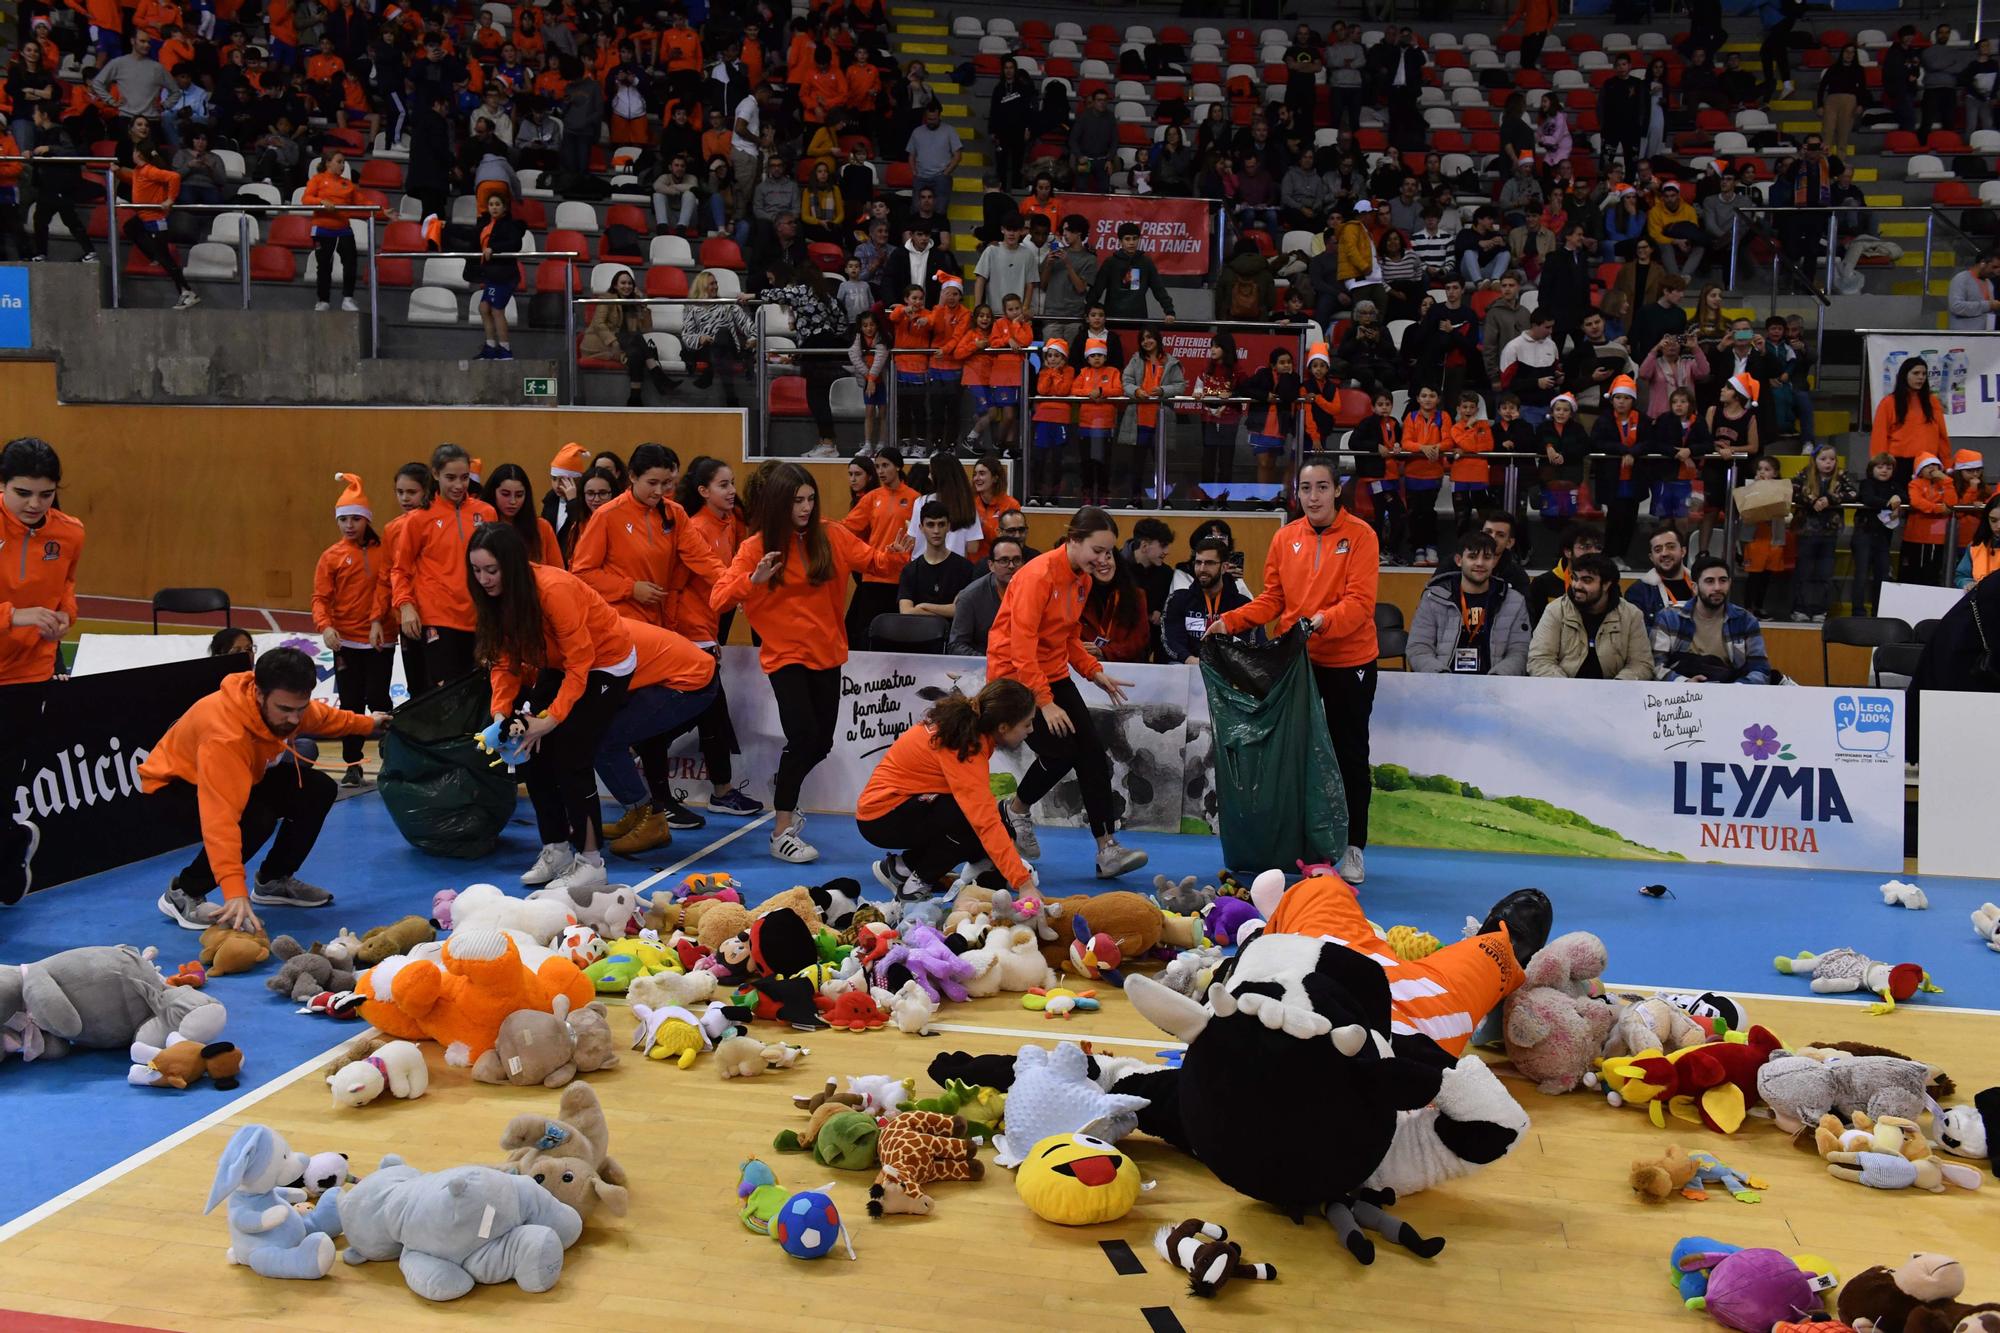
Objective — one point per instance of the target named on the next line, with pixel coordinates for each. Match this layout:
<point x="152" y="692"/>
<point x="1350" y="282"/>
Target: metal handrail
<point x="569" y="257"/>
<point x="110" y="165"/>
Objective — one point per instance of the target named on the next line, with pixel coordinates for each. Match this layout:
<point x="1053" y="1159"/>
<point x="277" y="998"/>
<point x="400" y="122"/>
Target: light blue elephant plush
<point x="266" y="1233"/>
<point x="452" y="1229"/>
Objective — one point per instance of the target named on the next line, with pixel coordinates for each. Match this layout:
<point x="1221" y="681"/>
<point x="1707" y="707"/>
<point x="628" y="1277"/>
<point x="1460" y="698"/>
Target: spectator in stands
<point x="277" y="156"/>
<point x="184" y="107"/>
<point x="1521" y="193"/>
<point x="1093" y="140"/>
<point x="618" y="332"/>
<point x="935" y="150"/>
<point x="1676" y="231"/>
<point x="1592" y="633"/>
<point x="1483" y="257"/>
<point x="1357" y="277"/>
<point x="1009" y="121"/>
<point x="1506" y="319"/>
<point x="1707" y="638"/>
<point x="1667" y="582"/>
<point x="1578" y="540"/>
<point x="1942" y="66"/>
<point x="930" y="584"/>
<point x="874" y="255"/>
<point x="1818" y="495"/>
<point x="1151" y="377"/>
<point x="40" y="595"/>
<point x="1901" y="73"/>
<point x="538" y="138"/>
<point x="1536" y="19"/>
<point x="1007" y="269"/>
<point x="1527" y="365"/>
<point x="1014" y="523"/>
<point x="203" y="175"/>
<point x="1367" y="356"/>
<point x="1674" y="363"/>
<point x="818" y="326"/>
<point x="1126" y="277"/>
<point x="30" y="83"/>
<point x="1594" y="361"/>
<point x="1622" y="111"/>
<point x="745" y="143"/>
<point x="1843" y="91"/>
<point x="333" y="231"/>
<point x="433" y="161"/>
<point x="1344" y="61"/>
<point x="1502" y="527"/>
<point x="928" y="210"/>
<point x="979" y="602"/>
<point x="1435" y="246"/>
<point x="917" y="261"/>
<point x="1256" y="196"/>
<point x="676" y="199"/>
<point x="142" y="83"/>
<point x="1661" y="318"/>
<point x="1117" y="623"/>
<point x="715" y="339"/>
<point x="1191" y="609"/>
<point x="775" y="196"/>
<point x="153" y="188"/>
<point x="1468" y="622"/>
<point x="500" y="238"/>
<point x="1303" y="197"/>
<point x="1971" y="299"/>
<point x="1931" y="495"/>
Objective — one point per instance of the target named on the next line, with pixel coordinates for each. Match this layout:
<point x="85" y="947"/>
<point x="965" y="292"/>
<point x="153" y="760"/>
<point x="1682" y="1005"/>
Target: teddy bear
<point x="1677" y="1171"/>
<point x="460" y="1000"/>
<point x="319" y="1173"/>
<point x="570" y="1155"/>
<point x="99" y="997"/>
<point x="385" y="942"/>
<point x="550" y="1048"/>
<point x="224" y="951"/>
<point x="1132" y="921"/>
<point x="1555" y="1026"/>
<point x="1652" y="1025"/>
<point x="451" y="1230"/>
<point x="910" y="1008"/>
<point x="268" y="1232"/>
<point x="305" y="973"/>
<point x="1918" y="1296"/>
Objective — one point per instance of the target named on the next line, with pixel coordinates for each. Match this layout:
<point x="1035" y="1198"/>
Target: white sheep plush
<point x="1897" y="893"/>
<point x="1010" y="959"/>
<point x="910" y="1009"/>
<point x="484" y="906"/>
<point x="1987" y="922"/>
<point x="397" y="1068"/>
<point x="661" y="990"/>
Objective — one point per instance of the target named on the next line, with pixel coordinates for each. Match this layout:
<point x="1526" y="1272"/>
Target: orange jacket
<point x="822" y="92"/>
<point x="912" y="329"/>
<point x="429" y="562"/>
<point x="1968" y="524"/>
<point x="176" y="52"/>
<point x="1912" y="438"/>
<point x="1150" y="375"/>
<point x="551" y="84"/>
<point x="864" y="85"/>
<point x="680" y="48"/>
<point x="879" y="518"/>
<point x="668" y="659"/>
<point x="693" y="616"/>
<point x="222" y="747"/>
<point x="1472" y="438"/>
<point x="1055" y="382"/>
<point x="10" y="172"/>
<point x="1932" y="501"/>
<point x="1418" y="431"/>
<point x="753" y="61"/>
<point x="101" y="13"/>
<point x="284" y="22"/>
<point x="152" y="15"/>
<point x="1003" y="369"/>
<point x="916" y="765"/>
<point x="989" y="514"/>
<point x="328" y="191"/>
<point x="351" y="592"/>
<point x="949" y="323"/>
<point x="37" y="569"/>
<point x="153" y="186"/>
<point x="324" y="68"/>
<point x="968" y="352"/>
<point x="1103" y="414"/>
<point x="580" y="634"/>
<point x="1034" y="637"/>
<point x="626" y="543"/>
<point x="801" y="624"/>
<point x="1330" y="573"/>
<point x="799" y="57"/>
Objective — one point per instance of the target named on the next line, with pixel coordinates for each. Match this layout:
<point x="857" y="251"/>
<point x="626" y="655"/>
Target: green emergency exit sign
<point x="542" y="388"/>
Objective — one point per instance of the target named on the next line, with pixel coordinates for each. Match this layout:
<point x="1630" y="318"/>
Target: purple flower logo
<point x="1761" y="742"/>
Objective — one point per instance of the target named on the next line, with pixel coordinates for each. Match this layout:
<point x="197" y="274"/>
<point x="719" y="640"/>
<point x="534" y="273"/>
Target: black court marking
<point x="1160" y="1319"/>
<point x="1123" y="1261"/>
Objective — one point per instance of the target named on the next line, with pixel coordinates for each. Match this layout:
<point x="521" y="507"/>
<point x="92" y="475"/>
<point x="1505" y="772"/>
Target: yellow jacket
<point x="1357" y="251"/>
<point x="1659" y="217"/>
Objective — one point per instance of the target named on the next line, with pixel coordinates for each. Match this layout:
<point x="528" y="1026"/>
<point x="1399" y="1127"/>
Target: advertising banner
<point x="1965" y="374"/>
<point x="1178" y="233"/>
<point x="1747" y="775"/>
<point x="1253" y="350"/>
<point x="97" y="653"/>
<point x="69" y="764"/>
<point x="1952" y="836"/>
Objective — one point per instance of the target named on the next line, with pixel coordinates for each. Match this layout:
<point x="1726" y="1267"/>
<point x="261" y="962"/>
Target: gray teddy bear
<point x="449" y="1230"/>
<point x="103" y="997"/>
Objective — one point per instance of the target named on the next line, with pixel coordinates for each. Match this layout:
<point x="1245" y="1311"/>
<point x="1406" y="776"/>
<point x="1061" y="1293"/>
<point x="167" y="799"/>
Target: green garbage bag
<point x="444" y="792"/>
<point x="1277" y="783"/>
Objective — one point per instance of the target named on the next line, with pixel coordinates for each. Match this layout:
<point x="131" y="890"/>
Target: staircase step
<point x="911" y="12"/>
<point x="1890" y="229"/>
<point x="923" y="30"/>
<point x="940" y="49"/>
<point x="1941" y="259"/>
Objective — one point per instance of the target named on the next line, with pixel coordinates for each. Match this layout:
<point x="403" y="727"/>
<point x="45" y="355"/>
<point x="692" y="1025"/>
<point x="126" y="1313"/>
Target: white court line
<point x="1159" y="1043"/>
<point x="77" y="1193"/>
<point x="692" y="857"/>
<point x="1853" y="1000"/>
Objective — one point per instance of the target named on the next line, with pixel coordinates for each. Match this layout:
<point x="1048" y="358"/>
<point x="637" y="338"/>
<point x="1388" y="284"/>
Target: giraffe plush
<point x="915" y="1148"/>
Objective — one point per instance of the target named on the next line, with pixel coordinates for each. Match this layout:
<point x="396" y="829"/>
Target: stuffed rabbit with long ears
<point x="266" y="1234"/>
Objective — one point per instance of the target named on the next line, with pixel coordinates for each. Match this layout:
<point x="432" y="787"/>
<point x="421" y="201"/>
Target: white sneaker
<point x="580" y="875"/>
<point x="822" y="451"/>
<point x="553" y="861"/>
<point x="1022" y="829"/>
<point x="1114" y="860"/>
<point x="189" y="299"/>
<point x="321" y="307"/>
<point x="347" y="304"/>
<point x="1351" y="867"/>
<point x="789" y="844"/>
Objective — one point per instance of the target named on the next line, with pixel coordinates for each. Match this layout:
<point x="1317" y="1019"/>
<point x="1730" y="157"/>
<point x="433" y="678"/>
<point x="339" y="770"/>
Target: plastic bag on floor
<point x="444" y="792"/>
<point x="1278" y="784"/>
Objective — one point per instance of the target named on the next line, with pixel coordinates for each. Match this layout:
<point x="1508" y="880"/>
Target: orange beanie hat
<point x="570" y="461"/>
<point x="352" y="501"/>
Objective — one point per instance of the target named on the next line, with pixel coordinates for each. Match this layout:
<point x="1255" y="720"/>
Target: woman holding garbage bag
<point x="1321" y="572"/>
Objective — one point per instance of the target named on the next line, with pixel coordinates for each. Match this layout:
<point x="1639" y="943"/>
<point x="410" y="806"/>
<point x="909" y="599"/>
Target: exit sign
<point x="542" y="388"/>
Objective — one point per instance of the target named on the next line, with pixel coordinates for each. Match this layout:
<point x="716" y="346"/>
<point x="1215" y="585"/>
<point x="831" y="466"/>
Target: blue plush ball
<point x="807" y="1226"/>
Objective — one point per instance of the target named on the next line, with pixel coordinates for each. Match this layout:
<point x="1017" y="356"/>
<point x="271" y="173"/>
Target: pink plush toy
<point x="1554" y="1026"/>
<point x="441" y="902"/>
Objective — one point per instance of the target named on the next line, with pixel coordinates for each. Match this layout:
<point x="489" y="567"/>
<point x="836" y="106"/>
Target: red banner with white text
<point x="1179" y="234"/>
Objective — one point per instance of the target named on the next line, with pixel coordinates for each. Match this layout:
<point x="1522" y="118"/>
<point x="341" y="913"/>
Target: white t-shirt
<point x="955" y="541"/>
<point x="747" y="112"/>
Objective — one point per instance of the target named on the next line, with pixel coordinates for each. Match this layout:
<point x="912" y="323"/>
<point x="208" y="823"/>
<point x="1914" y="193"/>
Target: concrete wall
<point x="215" y="354"/>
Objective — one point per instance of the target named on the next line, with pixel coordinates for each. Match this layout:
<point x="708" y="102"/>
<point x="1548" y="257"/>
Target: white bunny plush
<point x="266" y="1233"/>
<point x="397" y="1068"/>
<point x="1899" y="893"/>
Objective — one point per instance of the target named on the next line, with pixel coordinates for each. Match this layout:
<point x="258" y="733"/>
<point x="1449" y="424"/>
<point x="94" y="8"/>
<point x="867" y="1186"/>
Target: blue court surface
<point x="1719" y="931"/>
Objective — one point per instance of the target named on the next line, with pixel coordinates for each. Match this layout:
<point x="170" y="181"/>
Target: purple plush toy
<point x="1224" y="917"/>
<point x="929" y="961"/>
<point x="1753" y="1289"/>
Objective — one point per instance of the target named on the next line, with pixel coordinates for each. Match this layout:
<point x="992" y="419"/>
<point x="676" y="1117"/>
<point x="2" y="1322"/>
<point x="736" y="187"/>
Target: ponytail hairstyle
<point x="775" y="526"/>
<point x="964" y="725"/>
<point x="447" y="453"/>
<point x="526" y="520"/>
<point x="699" y="473"/>
<point x="509" y="627"/>
<point x="423" y="476"/>
<point x="953" y="489"/>
<point x="649" y="456"/>
<point x="1088" y="521"/>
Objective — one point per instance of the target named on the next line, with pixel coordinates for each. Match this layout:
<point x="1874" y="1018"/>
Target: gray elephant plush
<point x="103" y="997"/>
<point x="450" y="1230"/>
<point x="1800" y="1089"/>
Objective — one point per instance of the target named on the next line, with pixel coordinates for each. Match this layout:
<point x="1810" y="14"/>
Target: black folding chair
<point x="894" y="632"/>
<point x="1897" y="659"/>
<point x="1388" y="616"/>
<point x="1860" y="632"/>
<point x="1393" y="643"/>
<point x="191" y="602"/>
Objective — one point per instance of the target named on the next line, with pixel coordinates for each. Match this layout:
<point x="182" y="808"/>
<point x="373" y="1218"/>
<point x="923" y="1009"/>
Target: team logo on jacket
<point x="1297" y="547"/>
<point x="1340" y="548"/>
<point x="51" y="550"/>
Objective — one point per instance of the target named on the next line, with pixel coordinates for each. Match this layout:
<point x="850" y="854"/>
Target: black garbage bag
<point x="1276" y="779"/>
<point x="444" y="792"/>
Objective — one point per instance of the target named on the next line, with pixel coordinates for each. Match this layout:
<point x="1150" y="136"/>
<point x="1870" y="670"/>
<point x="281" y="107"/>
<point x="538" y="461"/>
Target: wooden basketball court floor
<point x="1548" y="1240"/>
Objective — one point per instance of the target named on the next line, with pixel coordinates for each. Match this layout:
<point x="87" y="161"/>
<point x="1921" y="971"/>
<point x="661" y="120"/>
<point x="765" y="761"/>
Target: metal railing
<point x="568" y="258"/>
<point x="110" y="167"/>
<point x="762" y="379"/>
<point x="244" y="219"/>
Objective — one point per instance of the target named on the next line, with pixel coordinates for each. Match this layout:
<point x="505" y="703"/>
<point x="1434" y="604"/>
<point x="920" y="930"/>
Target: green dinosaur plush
<point x="831" y="950"/>
<point x="614" y="974"/>
<point x="838" y="1137"/>
<point x="960" y="1097"/>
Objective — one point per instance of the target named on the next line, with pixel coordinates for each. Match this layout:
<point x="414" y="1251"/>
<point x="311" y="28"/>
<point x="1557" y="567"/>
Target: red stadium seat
<point x="720" y="252"/>
<point x="1945" y="141"/>
<point x="1201" y="72"/>
<point x="1901" y="143"/>
<point x="1133" y="134"/>
<point x="566" y="241"/>
<point x="987" y="65"/>
<point x="347" y="139"/>
<point x="1038" y="30"/>
<point x="1260" y="238"/>
<point x="395" y="272"/>
<point x="897" y="176"/>
<point x="1095" y="50"/>
<point x="1481" y="301"/>
<point x="628" y="215"/>
<point x="594" y="362"/>
<point x="1607" y="273"/>
<point x="98" y="224"/>
<point x="1174" y="33"/>
<point x="272" y="263"/>
<point x="666" y="280"/>
<point x="549" y="275"/>
<point x="826" y="256"/>
<point x="402" y="235"/>
<point x="1102" y="32"/>
<point x="1450" y="60"/>
<point x="1955" y="194"/>
<point x="788" y="396"/>
<point x="382" y="174"/>
<point x="532" y="214"/>
<point x="291" y="230"/>
<point x="1580" y="42"/>
<point x="1835" y="38"/>
<point x="1450" y="141"/>
<point x="1353" y="408"/>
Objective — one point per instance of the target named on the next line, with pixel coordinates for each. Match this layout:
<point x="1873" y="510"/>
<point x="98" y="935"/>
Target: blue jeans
<point x="1492" y="269"/>
<point x="656" y="714"/>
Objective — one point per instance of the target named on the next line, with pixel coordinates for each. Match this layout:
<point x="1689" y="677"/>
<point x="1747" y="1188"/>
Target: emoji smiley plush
<point x="1075" y="1180"/>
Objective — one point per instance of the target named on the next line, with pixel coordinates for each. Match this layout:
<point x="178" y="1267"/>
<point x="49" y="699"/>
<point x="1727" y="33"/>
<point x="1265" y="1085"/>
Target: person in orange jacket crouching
<point x="217" y="765"/>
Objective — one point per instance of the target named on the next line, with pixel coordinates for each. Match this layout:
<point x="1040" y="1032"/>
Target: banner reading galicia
<point x="1178" y="233"/>
<point x="1748" y="775"/>
<point x="1965" y="374"/>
